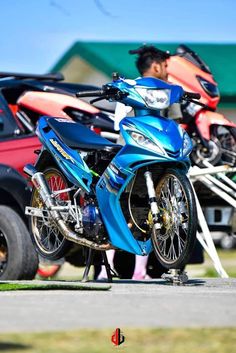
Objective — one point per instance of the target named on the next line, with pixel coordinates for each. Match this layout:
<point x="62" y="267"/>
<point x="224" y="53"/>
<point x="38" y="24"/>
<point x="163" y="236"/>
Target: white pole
<point x="221" y="185"/>
<point x="227" y="180"/>
<point x="217" y="191"/>
<point x="196" y="171"/>
<point x="206" y="241"/>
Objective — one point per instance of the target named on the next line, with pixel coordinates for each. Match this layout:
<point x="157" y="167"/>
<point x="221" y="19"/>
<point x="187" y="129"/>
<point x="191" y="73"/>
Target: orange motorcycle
<point x="213" y="135"/>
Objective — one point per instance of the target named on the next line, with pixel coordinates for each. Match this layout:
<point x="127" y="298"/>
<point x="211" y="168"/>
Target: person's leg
<point x="140" y="269"/>
<point x="110" y="258"/>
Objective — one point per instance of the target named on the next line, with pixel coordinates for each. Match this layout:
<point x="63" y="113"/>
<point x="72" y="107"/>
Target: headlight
<point x="187" y="144"/>
<point x="155" y="98"/>
<point x="145" y="142"/>
<point x="209" y="87"/>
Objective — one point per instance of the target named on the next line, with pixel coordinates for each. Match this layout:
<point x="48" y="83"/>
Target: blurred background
<point x="88" y="40"/>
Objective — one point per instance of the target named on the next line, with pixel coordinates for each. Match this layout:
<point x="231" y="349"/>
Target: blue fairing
<point x="131" y="157"/>
<point x="113" y="218"/>
<point x="160" y="130"/>
<point x="135" y="100"/>
<point x="68" y="159"/>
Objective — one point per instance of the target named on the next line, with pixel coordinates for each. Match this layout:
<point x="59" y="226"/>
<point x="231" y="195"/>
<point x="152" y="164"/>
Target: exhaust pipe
<point x="40" y="183"/>
<point x="72" y="236"/>
<point x="29" y="170"/>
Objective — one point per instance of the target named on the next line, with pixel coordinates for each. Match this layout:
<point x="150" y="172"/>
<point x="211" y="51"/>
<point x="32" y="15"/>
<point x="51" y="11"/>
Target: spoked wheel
<point x="227" y="138"/>
<point x="212" y="154"/>
<point x="50" y="243"/>
<point x="174" y="241"/>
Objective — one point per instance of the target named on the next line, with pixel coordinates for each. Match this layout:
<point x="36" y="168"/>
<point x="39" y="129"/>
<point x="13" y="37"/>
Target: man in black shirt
<point x="152" y="62"/>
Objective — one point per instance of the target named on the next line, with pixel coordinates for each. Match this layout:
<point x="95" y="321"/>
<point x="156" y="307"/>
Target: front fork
<point x="152" y="199"/>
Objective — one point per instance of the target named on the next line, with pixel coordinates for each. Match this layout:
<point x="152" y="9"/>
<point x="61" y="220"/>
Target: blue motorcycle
<point x="100" y="195"/>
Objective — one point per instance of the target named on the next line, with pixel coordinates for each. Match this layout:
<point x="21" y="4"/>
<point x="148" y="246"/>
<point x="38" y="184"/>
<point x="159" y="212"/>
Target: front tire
<point x="173" y="243"/>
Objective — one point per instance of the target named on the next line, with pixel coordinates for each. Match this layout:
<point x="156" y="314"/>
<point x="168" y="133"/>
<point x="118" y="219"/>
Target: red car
<point x="18" y="259"/>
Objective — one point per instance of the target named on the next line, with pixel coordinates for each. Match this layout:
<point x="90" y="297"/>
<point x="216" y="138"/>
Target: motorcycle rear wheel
<point x="227" y="140"/>
<point x="49" y="242"/>
<point x="173" y="243"/>
<point x="212" y="154"/>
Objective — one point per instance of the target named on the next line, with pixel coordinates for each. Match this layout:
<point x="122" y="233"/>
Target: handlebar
<point x="107" y="92"/>
<point x="191" y="95"/>
<point x="114" y="93"/>
<point x="97" y="93"/>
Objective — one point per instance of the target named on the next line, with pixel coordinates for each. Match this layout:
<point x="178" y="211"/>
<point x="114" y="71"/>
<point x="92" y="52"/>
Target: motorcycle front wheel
<point x="173" y="243"/>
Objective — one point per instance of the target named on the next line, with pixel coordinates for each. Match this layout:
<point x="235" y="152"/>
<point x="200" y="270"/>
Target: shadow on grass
<point x="10" y="346"/>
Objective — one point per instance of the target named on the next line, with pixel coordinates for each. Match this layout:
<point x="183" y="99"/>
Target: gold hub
<point x="166" y="219"/>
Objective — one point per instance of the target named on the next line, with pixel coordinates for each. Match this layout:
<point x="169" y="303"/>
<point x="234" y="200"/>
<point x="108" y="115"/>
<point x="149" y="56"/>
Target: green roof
<point x="108" y="57"/>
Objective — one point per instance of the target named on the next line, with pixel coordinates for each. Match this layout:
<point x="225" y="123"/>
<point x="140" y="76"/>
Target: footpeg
<point x="33" y="211"/>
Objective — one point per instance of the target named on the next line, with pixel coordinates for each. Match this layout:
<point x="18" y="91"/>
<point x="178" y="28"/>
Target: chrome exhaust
<point x="40" y="183"/>
<point x="72" y="236"/>
<point x="29" y="170"/>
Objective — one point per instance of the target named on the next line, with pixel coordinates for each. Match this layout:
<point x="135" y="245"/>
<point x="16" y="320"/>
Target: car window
<point x="8" y="125"/>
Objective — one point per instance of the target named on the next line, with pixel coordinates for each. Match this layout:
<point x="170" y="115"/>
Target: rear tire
<point x="48" y="241"/>
<point x="174" y="242"/>
<point x="18" y="258"/>
<point x="227" y="139"/>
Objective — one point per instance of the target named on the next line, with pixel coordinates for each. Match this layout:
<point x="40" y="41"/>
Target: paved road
<point x="128" y="304"/>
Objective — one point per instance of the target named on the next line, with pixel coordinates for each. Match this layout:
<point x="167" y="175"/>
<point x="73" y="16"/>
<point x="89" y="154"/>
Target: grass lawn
<point x="136" y="340"/>
<point x="227" y="258"/>
<point x="48" y="285"/>
<point x="226" y="254"/>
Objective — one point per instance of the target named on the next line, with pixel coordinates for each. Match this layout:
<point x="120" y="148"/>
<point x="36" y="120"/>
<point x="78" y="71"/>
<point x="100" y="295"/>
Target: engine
<point x="92" y="224"/>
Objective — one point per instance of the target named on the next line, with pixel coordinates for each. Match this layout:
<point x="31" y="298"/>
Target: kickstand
<point x="110" y="272"/>
<point x="176" y="277"/>
<point x="88" y="265"/>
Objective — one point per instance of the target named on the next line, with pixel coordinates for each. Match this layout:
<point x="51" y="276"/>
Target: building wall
<point x="230" y="113"/>
<point x="80" y="71"/>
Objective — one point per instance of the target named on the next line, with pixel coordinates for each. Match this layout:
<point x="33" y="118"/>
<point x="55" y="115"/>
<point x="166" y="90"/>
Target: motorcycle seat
<point x="78" y="136"/>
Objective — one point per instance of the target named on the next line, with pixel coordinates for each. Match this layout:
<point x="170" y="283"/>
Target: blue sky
<point x="34" y="34"/>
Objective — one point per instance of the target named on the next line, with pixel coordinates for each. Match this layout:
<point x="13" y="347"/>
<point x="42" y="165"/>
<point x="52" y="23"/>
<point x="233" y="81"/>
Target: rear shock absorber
<point x="152" y="199"/>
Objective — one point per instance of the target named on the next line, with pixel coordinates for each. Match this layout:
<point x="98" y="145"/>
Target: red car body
<point x="17" y="152"/>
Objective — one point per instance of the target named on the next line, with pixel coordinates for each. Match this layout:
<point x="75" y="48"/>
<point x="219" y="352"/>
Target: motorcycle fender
<point x="206" y="119"/>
